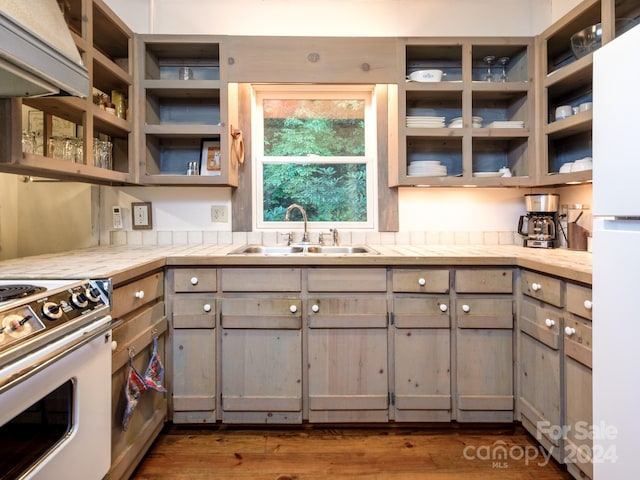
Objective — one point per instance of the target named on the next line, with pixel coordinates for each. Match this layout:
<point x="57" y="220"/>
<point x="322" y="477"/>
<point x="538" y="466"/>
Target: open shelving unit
<point x="105" y="44"/>
<point x="464" y="94"/>
<point x="565" y="79"/>
<point x="183" y="103"/>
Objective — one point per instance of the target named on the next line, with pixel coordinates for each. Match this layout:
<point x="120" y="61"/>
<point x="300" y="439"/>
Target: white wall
<point x="337" y="17"/>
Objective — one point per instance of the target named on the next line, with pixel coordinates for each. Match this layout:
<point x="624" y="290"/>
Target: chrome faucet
<point x="305" y="235"/>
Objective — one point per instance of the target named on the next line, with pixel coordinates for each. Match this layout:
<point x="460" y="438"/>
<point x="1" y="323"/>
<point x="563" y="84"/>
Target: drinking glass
<point x="503" y="61"/>
<point x="28" y="142"/>
<point x="489" y="60"/>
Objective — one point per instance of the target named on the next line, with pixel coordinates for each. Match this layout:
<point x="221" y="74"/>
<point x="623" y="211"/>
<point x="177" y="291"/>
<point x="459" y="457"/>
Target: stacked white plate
<point x="425" y="121"/>
<point x="476" y="122"/>
<point x="506" y="124"/>
<point x="487" y="174"/>
<point x="427" y="168"/>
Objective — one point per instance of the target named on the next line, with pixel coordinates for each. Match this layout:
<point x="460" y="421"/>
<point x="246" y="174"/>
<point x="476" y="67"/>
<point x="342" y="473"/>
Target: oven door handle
<point x="56" y="355"/>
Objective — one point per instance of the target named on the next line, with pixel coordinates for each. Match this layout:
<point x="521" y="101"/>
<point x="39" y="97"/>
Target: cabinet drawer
<point x="542" y="287"/>
<point x="137" y="333"/>
<point x="579" y="300"/>
<point x="194" y="280"/>
<point x="541" y="322"/>
<point x="484" y="312"/>
<point x="577" y="340"/>
<point x="261" y="313"/>
<point x="484" y="280"/>
<point x="421" y="312"/>
<point x="420" y="281"/>
<point x="194" y="311"/>
<point x="347" y="280"/>
<point x="348" y="312"/>
<point x="131" y="296"/>
<point x="261" y="279"/>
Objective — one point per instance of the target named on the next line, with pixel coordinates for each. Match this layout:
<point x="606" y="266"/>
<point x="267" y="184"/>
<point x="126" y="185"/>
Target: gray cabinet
<point x="484" y="345"/>
<point x="540" y="350"/>
<point x="192" y="308"/>
<point x="421" y="346"/>
<point x="261" y="345"/>
<point x="139" y="306"/>
<point x="577" y="363"/>
<point x="348" y="375"/>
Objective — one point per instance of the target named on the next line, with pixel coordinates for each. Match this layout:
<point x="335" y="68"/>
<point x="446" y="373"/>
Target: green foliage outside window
<point x="330" y="192"/>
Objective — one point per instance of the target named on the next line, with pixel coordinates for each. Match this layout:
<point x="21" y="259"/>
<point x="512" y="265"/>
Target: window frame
<point x="365" y="92"/>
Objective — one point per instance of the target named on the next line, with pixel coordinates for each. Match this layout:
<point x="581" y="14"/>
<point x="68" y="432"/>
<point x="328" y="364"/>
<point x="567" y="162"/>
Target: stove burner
<point x="19" y="290"/>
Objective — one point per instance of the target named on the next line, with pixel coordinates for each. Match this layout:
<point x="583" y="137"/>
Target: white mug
<point x="564" y="111"/>
<point x="583" y="107"/>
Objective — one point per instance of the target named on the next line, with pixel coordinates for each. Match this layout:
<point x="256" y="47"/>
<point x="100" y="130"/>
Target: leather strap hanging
<point x="237" y="146"/>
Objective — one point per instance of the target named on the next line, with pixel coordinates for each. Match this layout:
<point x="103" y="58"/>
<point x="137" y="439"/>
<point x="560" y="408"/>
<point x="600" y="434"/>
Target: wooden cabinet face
<point x="189" y="280"/>
<point x="194" y="374"/>
<point x="484" y="280"/>
<point x="420" y="280"/>
<point x="261" y="360"/>
<point x="347" y="359"/>
<point x="484" y="360"/>
<point x="542" y="287"/>
<point x="129" y="297"/>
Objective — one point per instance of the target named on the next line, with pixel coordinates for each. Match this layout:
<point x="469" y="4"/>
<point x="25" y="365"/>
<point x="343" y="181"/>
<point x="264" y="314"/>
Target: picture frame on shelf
<point x="141" y="216"/>
<point x="210" y="157"/>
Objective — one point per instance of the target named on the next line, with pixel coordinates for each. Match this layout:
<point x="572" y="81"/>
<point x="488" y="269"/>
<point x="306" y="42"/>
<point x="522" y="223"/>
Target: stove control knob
<point x="92" y="294"/>
<point x="51" y="310"/>
<point x="79" y="300"/>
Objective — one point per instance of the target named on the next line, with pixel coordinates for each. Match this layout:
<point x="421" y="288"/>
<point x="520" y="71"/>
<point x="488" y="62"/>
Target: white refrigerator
<point x="616" y="259"/>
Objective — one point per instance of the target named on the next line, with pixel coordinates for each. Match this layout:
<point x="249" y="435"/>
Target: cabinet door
<point x="422" y="359"/>
<point x="194" y="375"/>
<point x="578" y="397"/>
<point x="347" y="357"/>
<point x="261" y="360"/>
<point x="484" y="356"/>
<point x="539" y="373"/>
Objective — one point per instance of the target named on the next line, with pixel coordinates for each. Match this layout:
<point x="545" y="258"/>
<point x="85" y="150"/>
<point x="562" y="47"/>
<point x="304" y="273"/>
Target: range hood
<point x="37" y="53"/>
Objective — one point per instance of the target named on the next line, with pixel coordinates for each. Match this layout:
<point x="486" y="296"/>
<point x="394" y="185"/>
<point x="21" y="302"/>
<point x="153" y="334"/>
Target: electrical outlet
<point x="219" y="214"/>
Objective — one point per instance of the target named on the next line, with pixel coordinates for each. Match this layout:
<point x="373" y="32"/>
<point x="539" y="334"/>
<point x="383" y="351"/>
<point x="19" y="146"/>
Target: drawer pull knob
<point x="569" y="331"/>
<point x="588" y="304"/>
<point x="207" y="307"/>
<point x="422" y="282"/>
<point x="535" y="287"/>
<point x="114" y="345"/>
<point x="443" y="307"/>
<point x="194" y="280"/>
<point x="315" y="308"/>
<point x="466" y="308"/>
<point x="139" y="294"/>
<point x="293" y="309"/>
<point x="549" y="322"/>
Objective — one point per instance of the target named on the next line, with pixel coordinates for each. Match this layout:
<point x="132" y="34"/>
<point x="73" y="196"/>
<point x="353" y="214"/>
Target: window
<point x="315" y="146"/>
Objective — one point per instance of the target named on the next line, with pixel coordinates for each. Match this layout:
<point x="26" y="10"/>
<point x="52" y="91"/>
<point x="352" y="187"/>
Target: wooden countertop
<point x="123" y="263"/>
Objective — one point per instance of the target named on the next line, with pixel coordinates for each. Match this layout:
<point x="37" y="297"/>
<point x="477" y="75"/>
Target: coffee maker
<point x="541" y="220"/>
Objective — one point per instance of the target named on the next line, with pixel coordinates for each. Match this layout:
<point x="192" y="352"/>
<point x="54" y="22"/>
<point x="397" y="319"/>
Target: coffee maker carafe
<point x="541" y="220"/>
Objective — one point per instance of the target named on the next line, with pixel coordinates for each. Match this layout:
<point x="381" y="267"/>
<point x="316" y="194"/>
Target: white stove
<point x="55" y="379"/>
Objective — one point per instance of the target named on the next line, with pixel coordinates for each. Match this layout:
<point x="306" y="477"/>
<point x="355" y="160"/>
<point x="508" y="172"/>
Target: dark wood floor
<point x="314" y="453"/>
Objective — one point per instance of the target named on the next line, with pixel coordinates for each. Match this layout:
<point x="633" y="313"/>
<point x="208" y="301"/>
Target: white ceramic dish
<point x="431" y="75"/>
<point x="487" y="174"/>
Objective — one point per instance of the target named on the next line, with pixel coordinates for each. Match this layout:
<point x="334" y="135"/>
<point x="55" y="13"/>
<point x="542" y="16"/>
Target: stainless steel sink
<point x="303" y="249"/>
<point x="264" y="250"/>
<point x="343" y="249"/>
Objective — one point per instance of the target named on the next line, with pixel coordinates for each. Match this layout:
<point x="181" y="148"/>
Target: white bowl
<point x="426" y="76"/>
<point x="582" y="164"/>
<point x="566" y="168"/>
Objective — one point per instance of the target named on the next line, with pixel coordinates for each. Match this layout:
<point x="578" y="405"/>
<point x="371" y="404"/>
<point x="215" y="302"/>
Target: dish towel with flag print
<point x="133" y="390"/>
<point x="154" y="374"/>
